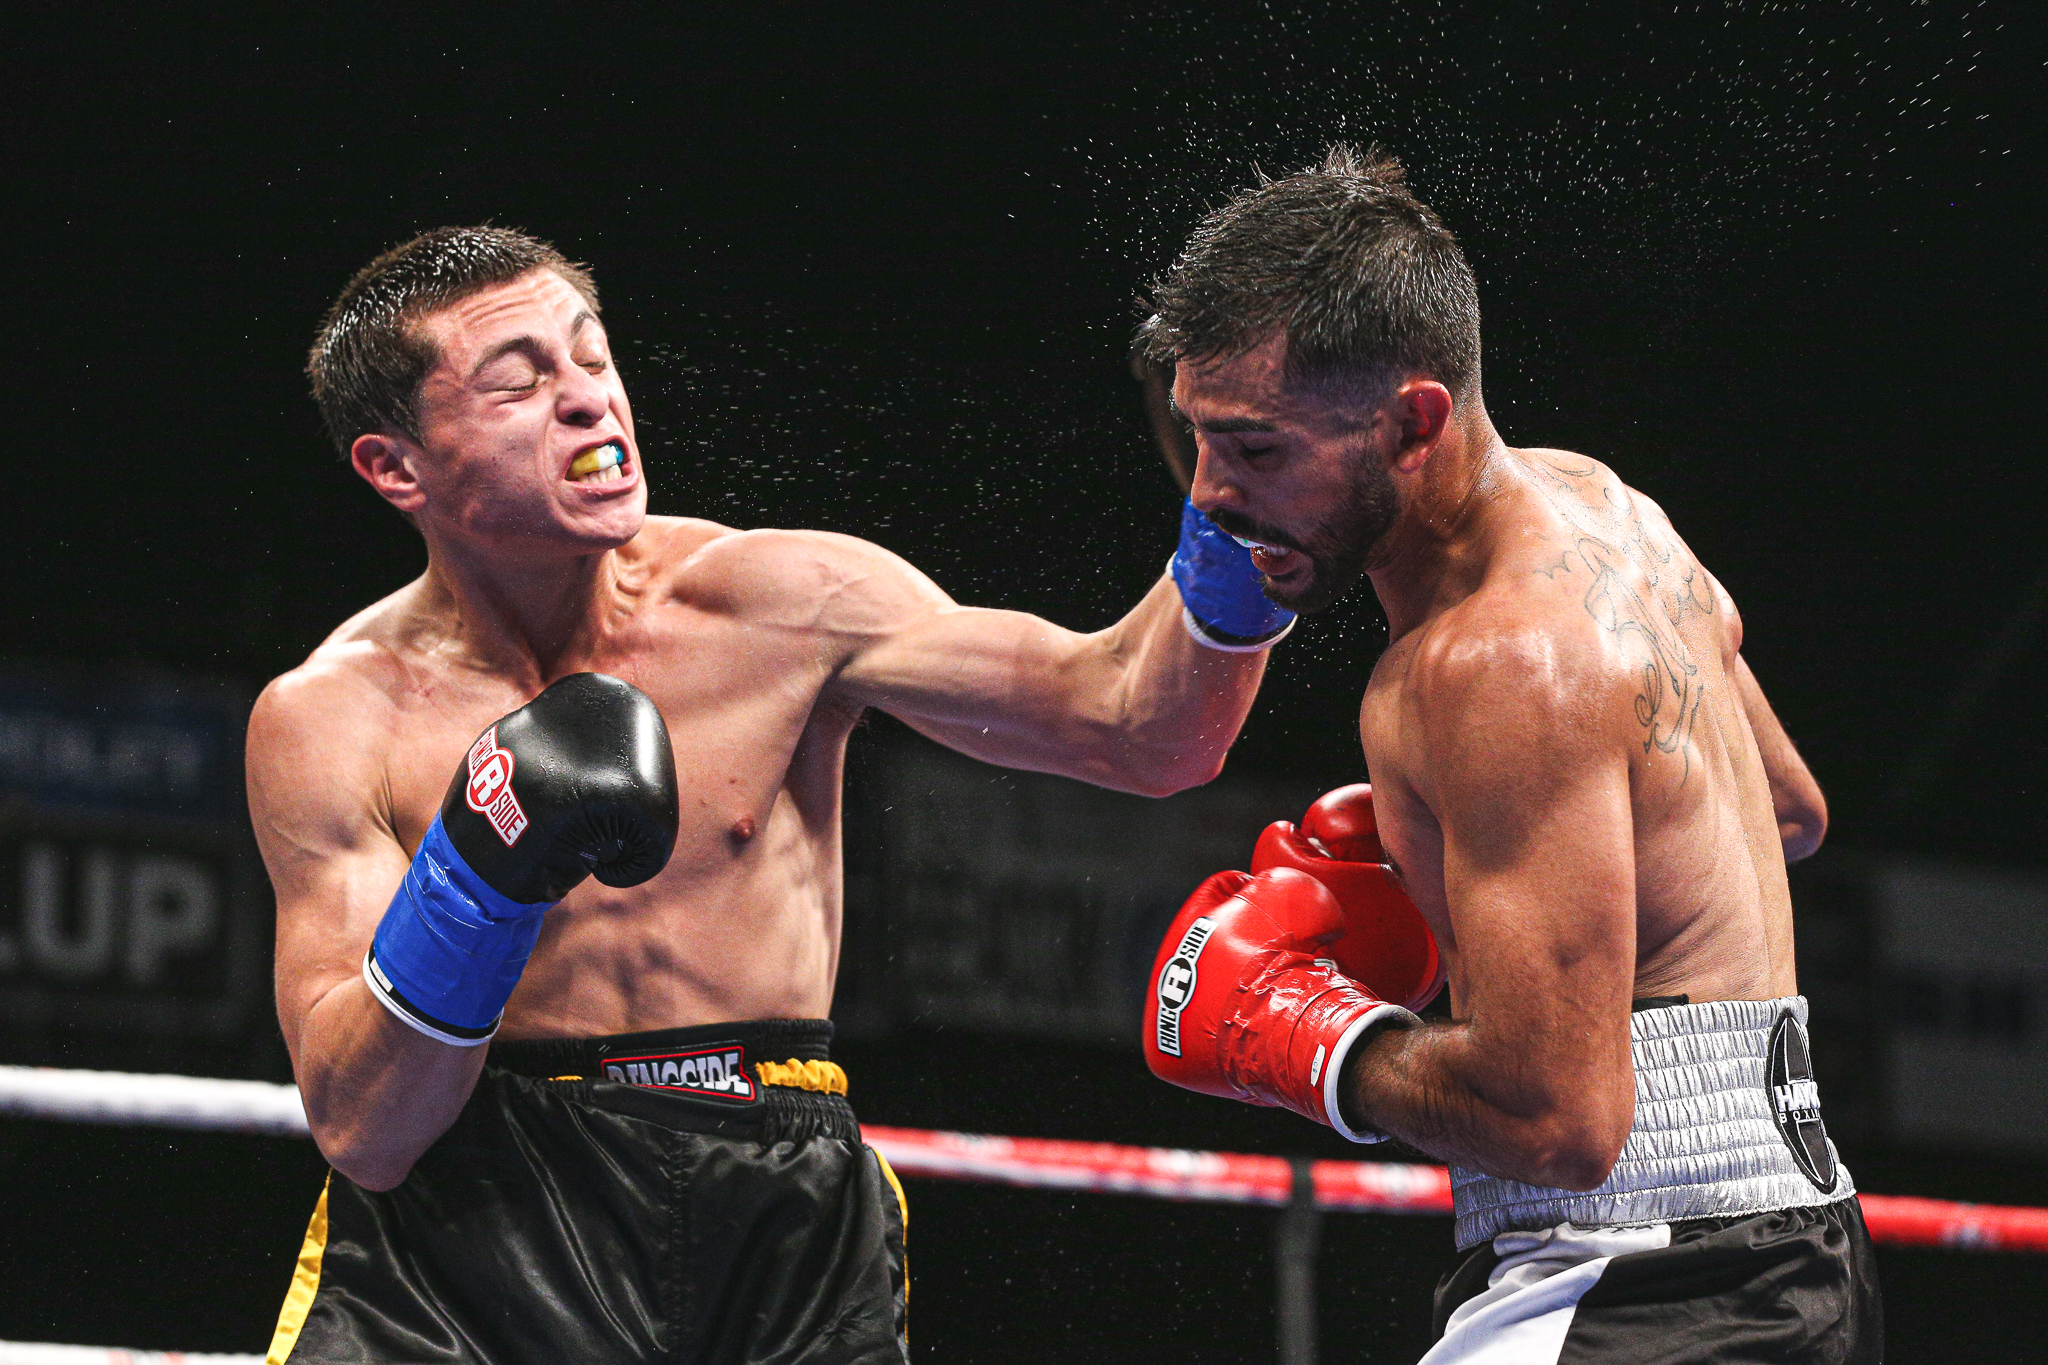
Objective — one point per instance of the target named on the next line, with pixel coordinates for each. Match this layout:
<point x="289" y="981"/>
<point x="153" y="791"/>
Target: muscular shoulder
<point x="1518" y="658"/>
<point x="804" y="579"/>
<point x="336" y="712"/>
<point x="331" y="714"/>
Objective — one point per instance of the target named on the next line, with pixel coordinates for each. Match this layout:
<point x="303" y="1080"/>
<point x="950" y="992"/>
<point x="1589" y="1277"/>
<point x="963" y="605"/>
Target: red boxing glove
<point x="1243" y="1006"/>
<point x="1387" y="946"/>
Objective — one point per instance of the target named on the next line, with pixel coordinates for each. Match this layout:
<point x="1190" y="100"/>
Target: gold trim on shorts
<point x="298" y="1300"/>
<point x="826" y="1077"/>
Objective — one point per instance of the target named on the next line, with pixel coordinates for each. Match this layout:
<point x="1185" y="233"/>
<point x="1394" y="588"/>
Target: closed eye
<point x="513" y="373"/>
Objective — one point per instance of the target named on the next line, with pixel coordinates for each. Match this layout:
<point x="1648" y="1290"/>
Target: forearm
<point x="1179" y="704"/>
<point x="1443" y="1089"/>
<point x="377" y="1092"/>
<point x="1139" y="707"/>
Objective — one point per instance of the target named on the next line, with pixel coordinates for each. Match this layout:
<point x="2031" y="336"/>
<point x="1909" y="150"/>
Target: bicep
<point x="333" y="863"/>
<point x="974" y="678"/>
<point x="1531" y="788"/>
<point x="1539" y="879"/>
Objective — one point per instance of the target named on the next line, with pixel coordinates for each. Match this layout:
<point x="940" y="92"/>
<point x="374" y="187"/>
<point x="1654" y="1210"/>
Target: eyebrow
<point x="532" y="345"/>
<point x="1225" y="427"/>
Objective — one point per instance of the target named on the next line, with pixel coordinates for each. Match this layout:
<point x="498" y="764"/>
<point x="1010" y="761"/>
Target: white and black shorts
<point x="1796" y="1285"/>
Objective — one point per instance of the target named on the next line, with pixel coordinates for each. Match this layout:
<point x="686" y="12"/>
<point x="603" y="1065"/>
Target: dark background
<point x="875" y="272"/>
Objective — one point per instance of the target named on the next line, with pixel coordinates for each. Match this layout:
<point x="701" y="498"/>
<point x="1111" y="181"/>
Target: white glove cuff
<point x="1203" y="637"/>
<point x="1333" y="1065"/>
<point x="381" y="990"/>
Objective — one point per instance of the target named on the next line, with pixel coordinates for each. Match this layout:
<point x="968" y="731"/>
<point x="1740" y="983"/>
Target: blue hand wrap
<point x="450" y="949"/>
<point x="1220" y="587"/>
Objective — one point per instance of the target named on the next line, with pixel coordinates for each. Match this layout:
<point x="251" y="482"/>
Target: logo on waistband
<point x="1177" y="983"/>
<point x="1795" y="1103"/>
<point x="718" y="1072"/>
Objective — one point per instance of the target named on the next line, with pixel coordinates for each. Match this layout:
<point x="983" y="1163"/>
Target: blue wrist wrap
<point x="450" y="949"/>
<point x="1220" y="587"/>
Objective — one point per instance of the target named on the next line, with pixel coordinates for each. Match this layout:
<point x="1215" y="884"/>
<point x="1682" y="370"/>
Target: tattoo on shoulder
<point x="1641" y="587"/>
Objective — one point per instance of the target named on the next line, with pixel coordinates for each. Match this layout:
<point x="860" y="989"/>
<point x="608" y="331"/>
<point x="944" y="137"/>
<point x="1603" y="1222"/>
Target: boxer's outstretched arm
<point x="1529" y="785"/>
<point x="377" y="1093"/>
<point x="1139" y="707"/>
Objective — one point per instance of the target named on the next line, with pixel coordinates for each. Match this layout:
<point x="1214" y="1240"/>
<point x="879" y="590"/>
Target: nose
<point x="1214" y="485"/>
<point x="581" y="400"/>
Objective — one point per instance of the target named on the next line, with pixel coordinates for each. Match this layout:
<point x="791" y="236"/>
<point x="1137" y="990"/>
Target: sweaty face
<point x="527" y="438"/>
<point x="1298" y="475"/>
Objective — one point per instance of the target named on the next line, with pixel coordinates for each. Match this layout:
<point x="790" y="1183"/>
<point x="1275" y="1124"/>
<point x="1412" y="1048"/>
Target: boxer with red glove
<point x="1244" y="1003"/>
<point x="1387" y="946"/>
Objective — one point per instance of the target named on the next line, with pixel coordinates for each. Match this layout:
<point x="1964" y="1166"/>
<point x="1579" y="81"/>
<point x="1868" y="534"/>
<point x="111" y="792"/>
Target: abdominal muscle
<point x="692" y="947"/>
<point x="743" y="923"/>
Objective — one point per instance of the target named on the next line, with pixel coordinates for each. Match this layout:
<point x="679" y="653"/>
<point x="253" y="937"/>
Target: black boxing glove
<point x="580" y="780"/>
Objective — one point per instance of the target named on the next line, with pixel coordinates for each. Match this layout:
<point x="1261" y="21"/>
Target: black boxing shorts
<point x="1796" y="1284"/>
<point x="699" y="1196"/>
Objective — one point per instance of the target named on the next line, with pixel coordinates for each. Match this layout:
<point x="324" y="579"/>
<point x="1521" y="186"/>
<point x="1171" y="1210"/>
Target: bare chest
<point x="742" y="708"/>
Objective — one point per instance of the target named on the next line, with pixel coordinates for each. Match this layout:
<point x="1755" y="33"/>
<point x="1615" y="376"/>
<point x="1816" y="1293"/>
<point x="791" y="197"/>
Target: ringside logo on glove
<point x="1177" y="983"/>
<point x="489" y="792"/>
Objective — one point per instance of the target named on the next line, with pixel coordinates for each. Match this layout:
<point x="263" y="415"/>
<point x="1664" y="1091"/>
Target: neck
<point x="1437" y="552"/>
<point x="519" y="617"/>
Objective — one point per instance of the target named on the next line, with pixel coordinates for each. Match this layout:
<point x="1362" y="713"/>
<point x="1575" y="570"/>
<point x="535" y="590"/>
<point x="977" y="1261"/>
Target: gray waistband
<point x="1710" y="1138"/>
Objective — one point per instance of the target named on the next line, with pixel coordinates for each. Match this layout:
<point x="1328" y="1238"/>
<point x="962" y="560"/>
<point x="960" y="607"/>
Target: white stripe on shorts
<point x="1523" y="1314"/>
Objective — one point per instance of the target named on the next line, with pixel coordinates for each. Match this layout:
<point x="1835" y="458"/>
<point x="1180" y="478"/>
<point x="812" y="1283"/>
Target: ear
<point x="389" y="464"/>
<point x="1423" y="408"/>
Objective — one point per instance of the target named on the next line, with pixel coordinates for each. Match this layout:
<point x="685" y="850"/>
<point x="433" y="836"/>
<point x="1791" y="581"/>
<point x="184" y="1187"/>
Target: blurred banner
<point x="132" y="907"/>
<point x="1021" y="903"/>
<point x="1965" y="957"/>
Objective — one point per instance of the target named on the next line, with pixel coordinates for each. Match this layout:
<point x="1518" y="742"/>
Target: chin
<point x="607" y="528"/>
<point x="1327" y="585"/>
<point x="615" y="532"/>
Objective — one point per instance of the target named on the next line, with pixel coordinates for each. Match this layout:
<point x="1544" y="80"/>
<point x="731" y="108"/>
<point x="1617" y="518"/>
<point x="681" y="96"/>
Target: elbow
<point x="365" y="1153"/>
<point x="1568" y="1154"/>
<point x="1168" y="774"/>
<point x="1801" y="819"/>
<point x="365" y="1164"/>
<point x="1801" y="831"/>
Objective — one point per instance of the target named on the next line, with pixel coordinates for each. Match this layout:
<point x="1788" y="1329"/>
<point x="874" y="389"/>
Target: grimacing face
<point x="525" y="432"/>
<point x="1302" y="478"/>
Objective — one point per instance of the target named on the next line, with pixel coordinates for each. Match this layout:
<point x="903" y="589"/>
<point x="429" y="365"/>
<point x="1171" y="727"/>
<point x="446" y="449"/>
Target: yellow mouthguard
<point x="590" y="461"/>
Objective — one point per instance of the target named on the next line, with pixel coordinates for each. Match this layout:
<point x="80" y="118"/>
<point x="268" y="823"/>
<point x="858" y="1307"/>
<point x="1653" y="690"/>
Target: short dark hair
<point x="369" y="358"/>
<point x="1366" y="280"/>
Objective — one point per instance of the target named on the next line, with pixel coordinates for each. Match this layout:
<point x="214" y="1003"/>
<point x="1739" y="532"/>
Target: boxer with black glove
<point x="665" y="1060"/>
<point x="578" y="782"/>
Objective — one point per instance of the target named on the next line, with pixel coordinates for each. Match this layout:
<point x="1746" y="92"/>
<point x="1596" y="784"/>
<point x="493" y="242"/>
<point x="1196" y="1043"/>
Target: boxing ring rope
<point x="1303" y="1189"/>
